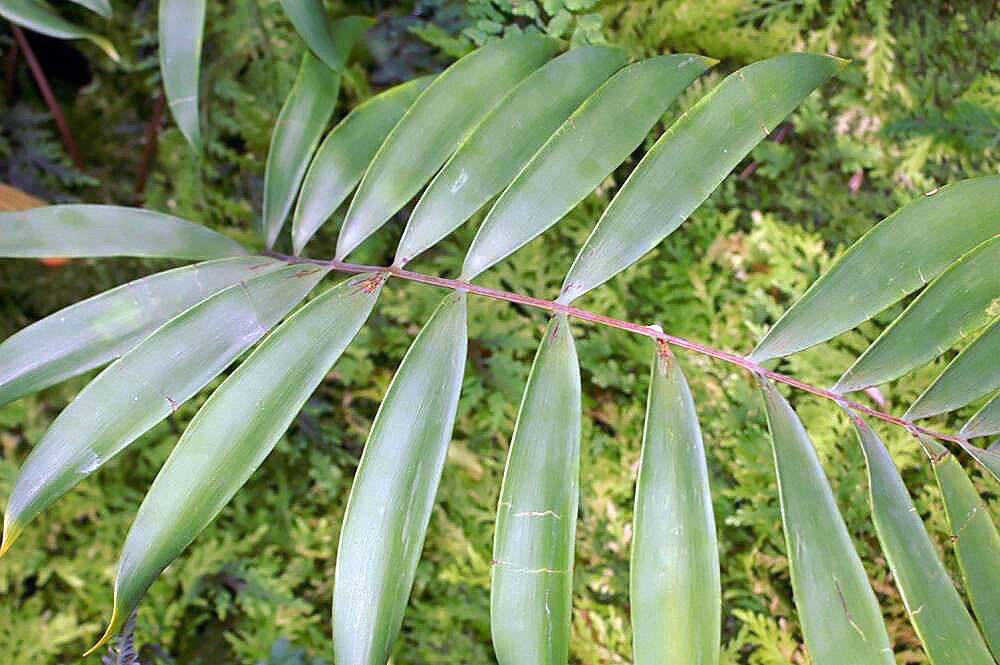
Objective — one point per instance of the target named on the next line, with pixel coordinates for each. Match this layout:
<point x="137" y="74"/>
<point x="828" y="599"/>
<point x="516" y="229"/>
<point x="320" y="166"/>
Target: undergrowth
<point x="920" y="108"/>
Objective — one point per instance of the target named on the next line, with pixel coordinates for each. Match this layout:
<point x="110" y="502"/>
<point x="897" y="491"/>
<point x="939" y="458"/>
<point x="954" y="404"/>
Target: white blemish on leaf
<point x="463" y="177"/>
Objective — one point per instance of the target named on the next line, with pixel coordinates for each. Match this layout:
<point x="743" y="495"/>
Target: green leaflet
<point x="41" y="17"/>
<point x="972" y="374"/>
<point x="344" y="155"/>
<point x="532" y="581"/>
<point x="334" y="46"/>
<point x="181" y="26"/>
<point x="690" y="160"/>
<point x="975" y="537"/>
<point x="102" y="7"/>
<point x="674" y="586"/>
<point x="958" y="300"/>
<point x="984" y="422"/>
<point x="149" y="382"/>
<point x="898" y="256"/>
<point x="840" y="617"/>
<point x="596" y="138"/>
<point x="301" y="122"/>
<point x="504" y="142"/>
<point x="234" y="432"/>
<point x="92" y="332"/>
<point x="394" y="487"/>
<point x="936" y="611"/>
<point x="79" y="230"/>
<point x="988" y="458"/>
<point x="434" y="126"/>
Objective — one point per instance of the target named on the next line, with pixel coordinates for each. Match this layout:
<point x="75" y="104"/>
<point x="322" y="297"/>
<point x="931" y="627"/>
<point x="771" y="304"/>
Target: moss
<point x="915" y="112"/>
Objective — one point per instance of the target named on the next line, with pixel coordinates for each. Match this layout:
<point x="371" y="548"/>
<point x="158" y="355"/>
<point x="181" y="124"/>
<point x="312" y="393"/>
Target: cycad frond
<point x="40" y="16"/>
<point x="584" y="114"/>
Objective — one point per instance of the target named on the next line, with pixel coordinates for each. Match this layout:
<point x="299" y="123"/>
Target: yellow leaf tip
<point x="105" y="45"/>
<point x="108" y="633"/>
<point x="10" y="533"/>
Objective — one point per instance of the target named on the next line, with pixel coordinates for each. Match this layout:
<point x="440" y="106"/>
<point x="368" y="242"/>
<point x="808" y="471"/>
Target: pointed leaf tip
<point x="108" y="48"/>
<point x="690" y="160"/>
<point x="41" y="17"/>
<point x="488" y="159"/>
<point x="181" y="26"/>
<point x="94" y="230"/>
<point x="594" y="140"/>
<point x="114" y="623"/>
<point x="11" y="530"/>
<point x="957" y="300"/>
<point x="919" y="241"/>
<point x="420" y="143"/>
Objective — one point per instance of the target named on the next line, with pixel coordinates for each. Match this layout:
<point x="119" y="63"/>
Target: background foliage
<point x="920" y="108"/>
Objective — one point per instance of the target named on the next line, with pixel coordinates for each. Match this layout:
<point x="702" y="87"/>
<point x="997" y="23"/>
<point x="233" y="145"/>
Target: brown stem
<point x="50" y="99"/>
<point x="779" y="136"/>
<point x="10" y="72"/>
<point x="149" y="151"/>
<point x="748" y="171"/>
<point x="652" y="331"/>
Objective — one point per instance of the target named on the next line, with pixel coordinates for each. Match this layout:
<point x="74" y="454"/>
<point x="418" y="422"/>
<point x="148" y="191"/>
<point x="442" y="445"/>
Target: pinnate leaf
<point x="595" y="139"/>
<point x="79" y="230"/>
<point x="148" y="383"/>
<point x="394" y="487"/>
<point x="234" y="432"/>
<point x="948" y="633"/>
<point x="434" y="126"/>
<point x="532" y="581"/>
<point x="689" y="161"/>
<point x="92" y="332"/>
<point x="674" y="586"/>
<point x="899" y="255"/>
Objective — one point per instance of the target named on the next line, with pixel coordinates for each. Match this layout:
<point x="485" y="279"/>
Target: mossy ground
<point x="919" y="108"/>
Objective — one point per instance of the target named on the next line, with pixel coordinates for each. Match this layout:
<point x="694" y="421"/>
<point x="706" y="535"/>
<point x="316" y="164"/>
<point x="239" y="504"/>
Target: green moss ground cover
<point x="920" y="108"/>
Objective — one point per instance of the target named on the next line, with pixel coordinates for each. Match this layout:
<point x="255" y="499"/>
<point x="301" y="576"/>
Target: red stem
<point x="10" y="73"/>
<point x="149" y="151"/>
<point x="50" y="99"/>
<point x="648" y="331"/>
